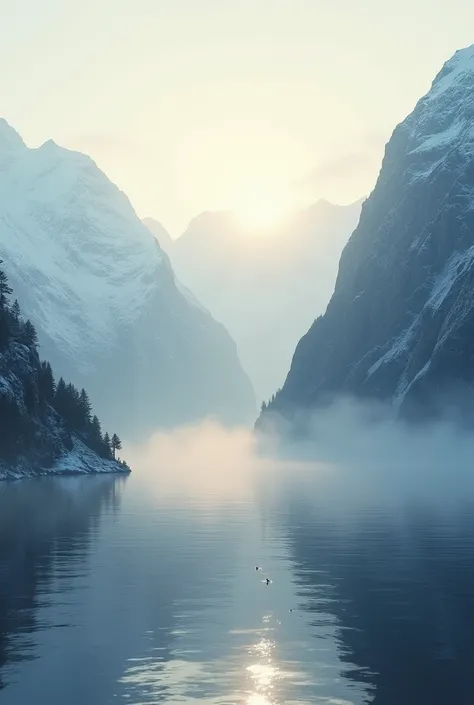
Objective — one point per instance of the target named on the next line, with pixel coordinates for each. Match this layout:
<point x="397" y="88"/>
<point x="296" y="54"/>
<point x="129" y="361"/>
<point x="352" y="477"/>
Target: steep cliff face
<point x="400" y="324"/>
<point x="102" y="294"/>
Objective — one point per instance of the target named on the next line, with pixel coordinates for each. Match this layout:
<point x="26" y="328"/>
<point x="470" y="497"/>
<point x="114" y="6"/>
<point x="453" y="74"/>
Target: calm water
<point x="126" y="590"/>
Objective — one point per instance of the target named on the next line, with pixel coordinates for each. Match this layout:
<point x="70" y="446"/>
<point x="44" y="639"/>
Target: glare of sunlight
<point x="263" y="674"/>
<point x="258" y="213"/>
<point x="191" y="465"/>
<point x="256" y="699"/>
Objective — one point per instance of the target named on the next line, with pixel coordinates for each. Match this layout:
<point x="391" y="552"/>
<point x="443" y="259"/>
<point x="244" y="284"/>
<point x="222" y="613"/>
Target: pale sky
<point x="192" y="105"/>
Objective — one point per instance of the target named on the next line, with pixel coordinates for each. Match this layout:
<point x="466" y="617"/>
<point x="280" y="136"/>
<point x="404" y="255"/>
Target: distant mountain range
<point x="400" y="324"/>
<point x="266" y="287"/>
<point x="110" y="314"/>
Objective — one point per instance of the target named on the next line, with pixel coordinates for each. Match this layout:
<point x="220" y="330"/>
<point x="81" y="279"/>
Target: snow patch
<point x="81" y="460"/>
<point x="399" y="347"/>
<point x="459" y="65"/>
<point x="9" y="138"/>
<point x="76" y="239"/>
<point x="403" y="388"/>
<point x="455" y="267"/>
<point x="441" y="139"/>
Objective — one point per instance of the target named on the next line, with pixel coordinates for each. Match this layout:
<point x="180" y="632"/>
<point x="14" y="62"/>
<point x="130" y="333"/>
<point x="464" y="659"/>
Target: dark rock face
<point x="400" y="324"/>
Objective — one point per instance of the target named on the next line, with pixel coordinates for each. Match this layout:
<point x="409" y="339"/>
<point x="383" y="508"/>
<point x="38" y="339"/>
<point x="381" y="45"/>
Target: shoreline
<point x="81" y="460"/>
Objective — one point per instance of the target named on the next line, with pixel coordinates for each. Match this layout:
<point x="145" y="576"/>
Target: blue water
<point x="123" y="590"/>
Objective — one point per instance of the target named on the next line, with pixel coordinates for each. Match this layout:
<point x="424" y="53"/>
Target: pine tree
<point x="263" y="407"/>
<point x="16" y="323"/>
<point x="95" y="427"/>
<point x="107" y="446"/>
<point x="5" y="328"/>
<point x="5" y="289"/>
<point x="5" y="318"/>
<point x="60" y="398"/>
<point x="29" y="336"/>
<point x="18" y="433"/>
<point x="116" y="444"/>
<point x="86" y="408"/>
<point x="16" y="311"/>
<point x="95" y="435"/>
<point x="46" y="383"/>
<point x="74" y="414"/>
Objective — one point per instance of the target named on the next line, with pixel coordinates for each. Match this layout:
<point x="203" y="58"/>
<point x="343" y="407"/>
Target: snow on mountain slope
<point x="400" y="324"/>
<point x="80" y="239"/>
<point x="159" y="232"/>
<point x="103" y="295"/>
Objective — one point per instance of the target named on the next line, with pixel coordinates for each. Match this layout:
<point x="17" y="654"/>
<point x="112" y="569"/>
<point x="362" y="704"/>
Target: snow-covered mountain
<point x="265" y="286"/>
<point x="158" y="230"/>
<point x="400" y="325"/>
<point x="102" y="294"/>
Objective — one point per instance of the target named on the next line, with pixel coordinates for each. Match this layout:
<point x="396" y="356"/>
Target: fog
<point x="290" y="269"/>
<point x="364" y="528"/>
<point x="352" y="452"/>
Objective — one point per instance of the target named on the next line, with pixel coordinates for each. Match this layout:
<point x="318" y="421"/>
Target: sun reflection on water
<point x="257" y="699"/>
<point x="263" y="673"/>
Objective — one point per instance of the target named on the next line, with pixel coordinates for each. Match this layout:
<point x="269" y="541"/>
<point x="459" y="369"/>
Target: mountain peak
<point x="399" y="325"/>
<point x="462" y="59"/>
<point x="9" y="138"/>
<point x="459" y="66"/>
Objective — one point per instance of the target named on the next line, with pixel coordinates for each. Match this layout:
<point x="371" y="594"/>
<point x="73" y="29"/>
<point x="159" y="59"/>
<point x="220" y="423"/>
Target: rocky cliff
<point x="400" y="324"/>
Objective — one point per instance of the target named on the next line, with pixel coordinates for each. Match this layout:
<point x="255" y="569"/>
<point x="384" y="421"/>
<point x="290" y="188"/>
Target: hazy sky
<point x="206" y="104"/>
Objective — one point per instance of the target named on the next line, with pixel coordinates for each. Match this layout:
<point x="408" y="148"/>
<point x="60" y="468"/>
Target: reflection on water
<point x="402" y="593"/>
<point x="119" y="590"/>
<point x="46" y="529"/>
<point x="263" y="672"/>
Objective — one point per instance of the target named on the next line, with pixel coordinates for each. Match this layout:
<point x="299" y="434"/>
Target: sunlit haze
<point x="190" y="106"/>
<point x="236" y="335"/>
<point x="259" y="211"/>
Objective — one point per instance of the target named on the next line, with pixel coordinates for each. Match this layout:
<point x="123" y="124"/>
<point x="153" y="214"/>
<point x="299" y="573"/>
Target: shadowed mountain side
<point x="399" y="325"/>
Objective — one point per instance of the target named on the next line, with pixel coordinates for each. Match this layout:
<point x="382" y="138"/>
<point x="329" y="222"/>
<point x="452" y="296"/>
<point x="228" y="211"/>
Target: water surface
<point x="127" y="590"/>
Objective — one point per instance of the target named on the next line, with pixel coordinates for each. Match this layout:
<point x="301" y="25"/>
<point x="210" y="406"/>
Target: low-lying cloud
<point x="352" y="453"/>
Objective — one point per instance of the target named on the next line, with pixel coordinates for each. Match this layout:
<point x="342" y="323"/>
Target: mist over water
<point x="148" y="584"/>
<point x="350" y="452"/>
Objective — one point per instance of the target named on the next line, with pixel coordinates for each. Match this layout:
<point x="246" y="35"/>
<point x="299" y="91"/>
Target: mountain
<point x="44" y="428"/>
<point x="160" y="233"/>
<point x="265" y="285"/>
<point x="109" y="312"/>
<point x="400" y="324"/>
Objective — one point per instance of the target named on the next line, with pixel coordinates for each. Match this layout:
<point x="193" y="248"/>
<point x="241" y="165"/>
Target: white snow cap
<point x="462" y="63"/>
<point x="9" y="138"/>
<point x="69" y="232"/>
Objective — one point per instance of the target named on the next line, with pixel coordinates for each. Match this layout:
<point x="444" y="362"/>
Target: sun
<point x="260" y="214"/>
